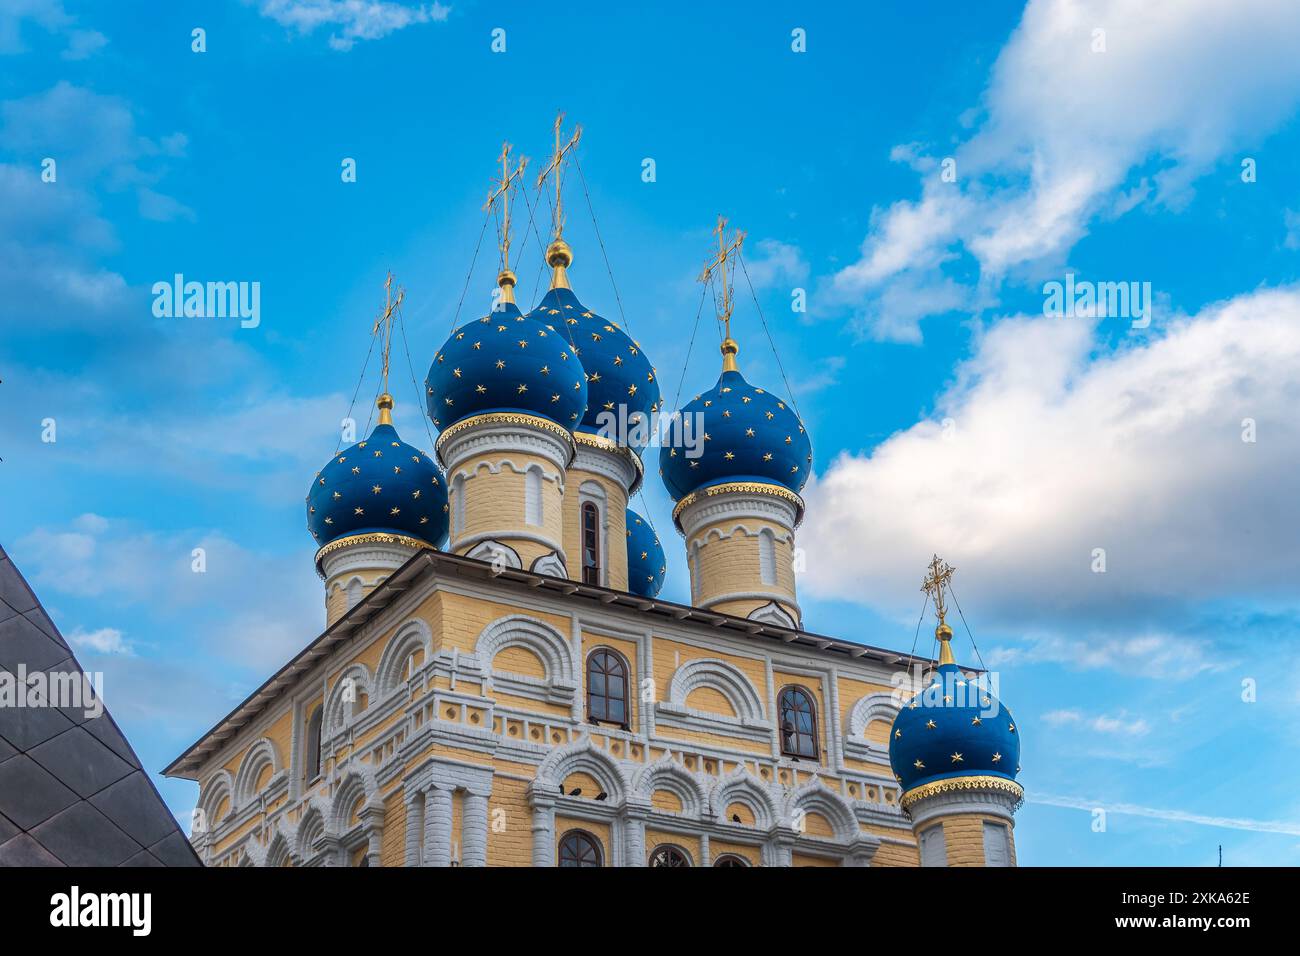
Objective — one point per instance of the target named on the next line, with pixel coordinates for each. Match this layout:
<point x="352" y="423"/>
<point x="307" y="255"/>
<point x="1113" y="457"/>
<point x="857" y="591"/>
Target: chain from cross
<point x="556" y="166"/>
<point x="719" y="263"/>
<point x="504" y="186"/>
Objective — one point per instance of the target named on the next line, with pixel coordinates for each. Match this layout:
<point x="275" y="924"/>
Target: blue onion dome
<point x="506" y="362"/>
<point x="955" y="728"/>
<point x="646" y="564"/>
<point x="619" y="376"/>
<point x="750" y="436"/>
<point x="380" y="485"/>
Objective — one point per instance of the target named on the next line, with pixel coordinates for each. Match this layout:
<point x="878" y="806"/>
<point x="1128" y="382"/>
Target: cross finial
<point x="719" y="263"/>
<point x="505" y="186"/>
<point x="937" y="579"/>
<point x="385" y="318"/>
<point x="556" y="166"/>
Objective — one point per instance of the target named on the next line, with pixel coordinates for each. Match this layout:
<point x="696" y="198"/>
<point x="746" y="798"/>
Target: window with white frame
<point x="997" y="845"/>
<point x="933" y="851"/>
<point x="533" y="495"/>
<point x="767" y="556"/>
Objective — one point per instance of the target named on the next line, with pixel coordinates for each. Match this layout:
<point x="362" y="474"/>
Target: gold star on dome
<point x="631" y="389"/>
<point x="342" y="459"/>
<point x="424" y="519"/>
<point x="448" y="401"/>
<point x="554" y="399"/>
<point x="897" y="734"/>
<point x="397" y="469"/>
<point x="769" y="415"/>
<point x="644" y="555"/>
<point x="395" y="511"/>
<point x="480" y="389"/>
<point x="459" y="336"/>
<point x="501" y="328"/>
<point x="355" y="471"/>
<point x="456" y="372"/>
<point x="695" y="464"/>
<point x="478" y="345"/>
<point x="618" y="360"/>
<point x="595" y="336"/>
<point x="329" y="520"/>
<point x="523" y="343"/>
<point x="726" y="390"/>
<point x="594" y="377"/>
<point x="746" y="399"/>
<point x="749" y="433"/>
<point x="975" y="722"/>
<point x="956" y="757"/>
<point x="768" y="456"/>
<point x="729" y="456"/>
<point x="997" y="758"/>
<point x="545" y="370"/>
<point x="415" y="493"/>
<point x="609" y="406"/>
<point x="322" y="481"/>
<point x="1011" y="728"/>
<point x="787" y="439"/>
<point x="337" y="496"/>
<point x="930" y="725"/>
<point x="727" y="413"/>
<point x="522" y="388"/>
<point x="358" y="511"/>
<point x="376" y="489"/>
<point x="500" y="364"/>
<point x="919" y="765"/>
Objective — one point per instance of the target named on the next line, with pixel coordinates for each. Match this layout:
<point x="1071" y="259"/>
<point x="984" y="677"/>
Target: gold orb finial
<point x="730" y="348"/>
<point x="559" y="256"/>
<point x="506" y="280"/>
<point x="385" y="404"/>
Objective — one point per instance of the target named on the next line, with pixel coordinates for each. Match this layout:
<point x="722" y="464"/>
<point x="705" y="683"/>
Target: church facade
<point x="499" y="684"/>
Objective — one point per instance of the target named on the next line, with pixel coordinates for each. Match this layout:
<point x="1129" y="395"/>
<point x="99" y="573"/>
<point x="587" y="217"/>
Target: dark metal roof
<point x="72" y="791"/>
<point x="453" y="565"/>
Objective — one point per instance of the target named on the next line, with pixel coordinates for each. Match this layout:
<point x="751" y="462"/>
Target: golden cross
<point x="936" y="580"/>
<point x="391" y="305"/>
<point x="556" y="165"/>
<point x="504" y="187"/>
<point x="719" y="262"/>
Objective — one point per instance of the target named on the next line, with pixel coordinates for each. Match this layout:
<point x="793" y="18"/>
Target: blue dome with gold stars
<point x="507" y="362"/>
<point x="954" y="728"/>
<point x="646" y="564"/>
<point x="750" y="435"/>
<point x="380" y="485"/>
<point x="618" y="373"/>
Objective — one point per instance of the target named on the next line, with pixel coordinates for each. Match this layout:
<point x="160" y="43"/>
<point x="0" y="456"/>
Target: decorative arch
<point x="816" y="797"/>
<point x="740" y="787"/>
<point x="518" y="630"/>
<point x="725" y="678"/>
<point x="277" y="854"/>
<point x="583" y="757"/>
<point x="339" y="712"/>
<point x="667" y="774"/>
<point x="220" y="786"/>
<point x="879" y="706"/>
<point x="412" y="635"/>
<point x="357" y="785"/>
<point x="310" y="829"/>
<point x="256" y="759"/>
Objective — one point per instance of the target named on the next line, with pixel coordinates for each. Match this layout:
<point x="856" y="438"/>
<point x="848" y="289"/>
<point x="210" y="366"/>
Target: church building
<point x="499" y="684"/>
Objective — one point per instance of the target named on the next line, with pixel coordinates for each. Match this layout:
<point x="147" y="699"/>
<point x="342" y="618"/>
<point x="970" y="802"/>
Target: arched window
<point x="590" y="543"/>
<point x="312" y="755"/>
<point x="354" y="593"/>
<point x="730" y="859"/>
<point x="767" y="556"/>
<point x="798" y="718"/>
<point x="668" y="855"/>
<point x="533" y="496"/>
<point x="579" y="849"/>
<point x="607" y="687"/>
<point x="695" y="572"/>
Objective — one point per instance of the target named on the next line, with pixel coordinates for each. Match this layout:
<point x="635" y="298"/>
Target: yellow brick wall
<point x="719" y="848"/>
<point x="519" y="660"/>
<point x="392" y="850"/>
<point x="892" y="854"/>
<point x="730" y="564"/>
<point x="494" y="503"/>
<point x="510" y="821"/>
<point x="963" y="836"/>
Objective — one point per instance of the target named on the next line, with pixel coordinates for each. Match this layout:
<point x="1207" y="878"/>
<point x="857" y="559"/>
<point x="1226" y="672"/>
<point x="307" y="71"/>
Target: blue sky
<point x="947" y="412"/>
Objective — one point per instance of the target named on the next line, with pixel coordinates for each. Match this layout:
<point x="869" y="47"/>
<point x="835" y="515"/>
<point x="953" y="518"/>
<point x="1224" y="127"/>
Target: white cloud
<point x="105" y="640"/>
<point x="777" y="263"/>
<point x="48" y="15"/>
<point x="1051" y="451"/>
<point x="351" y="20"/>
<point x="1172" y="816"/>
<point x="1064" y="130"/>
<point x="1101" y="723"/>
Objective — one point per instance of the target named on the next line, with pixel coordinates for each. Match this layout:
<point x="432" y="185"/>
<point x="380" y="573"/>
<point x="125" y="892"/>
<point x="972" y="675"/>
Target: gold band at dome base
<point x="740" y="488"/>
<point x="505" y="418"/>
<point x="370" y="537"/>
<point x="955" y="784"/>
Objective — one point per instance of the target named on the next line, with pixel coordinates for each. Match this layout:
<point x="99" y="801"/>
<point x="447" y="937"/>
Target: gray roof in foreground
<point x="72" y="791"/>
